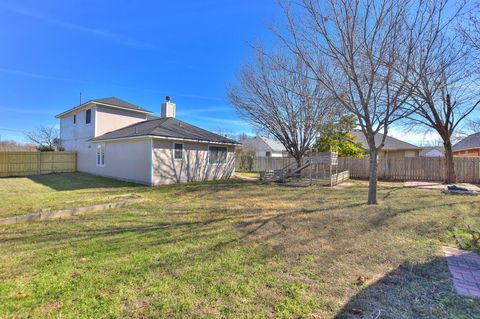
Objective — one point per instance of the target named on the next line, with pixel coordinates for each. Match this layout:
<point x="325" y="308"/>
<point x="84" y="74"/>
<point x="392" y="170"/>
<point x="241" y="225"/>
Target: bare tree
<point x="471" y="29"/>
<point x="289" y="106"/>
<point x="45" y="138"/>
<point x="358" y="46"/>
<point x="443" y="77"/>
<point x="474" y="125"/>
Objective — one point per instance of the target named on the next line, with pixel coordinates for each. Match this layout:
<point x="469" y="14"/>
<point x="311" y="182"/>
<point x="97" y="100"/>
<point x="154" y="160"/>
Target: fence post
<point x="39" y="162"/>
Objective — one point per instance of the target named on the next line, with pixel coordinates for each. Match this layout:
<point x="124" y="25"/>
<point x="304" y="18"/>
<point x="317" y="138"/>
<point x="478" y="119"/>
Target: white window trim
<point x="208" y="157"/>
<point x="183" y="151"/>
<point x="100" y="147"/>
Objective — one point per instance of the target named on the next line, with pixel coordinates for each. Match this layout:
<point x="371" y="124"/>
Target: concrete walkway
<point x="465" y="268"/>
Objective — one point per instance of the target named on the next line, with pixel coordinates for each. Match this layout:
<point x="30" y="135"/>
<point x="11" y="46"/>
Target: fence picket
<point x="35" y="163"/>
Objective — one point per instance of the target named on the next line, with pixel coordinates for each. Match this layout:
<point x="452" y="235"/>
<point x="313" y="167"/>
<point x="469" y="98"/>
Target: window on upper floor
<point x="88" y="116"/>
<point x="74" y="118"/>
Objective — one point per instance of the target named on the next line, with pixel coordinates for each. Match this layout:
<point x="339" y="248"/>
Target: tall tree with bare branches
<point x="46" y="138"/>
<point x="355" y="49"/>
<point x="443" y="78"/>
<point x="289" y="106"/>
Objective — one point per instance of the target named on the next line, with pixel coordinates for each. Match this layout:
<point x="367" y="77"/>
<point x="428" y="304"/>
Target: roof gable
<point x="273" y="144"/>
<point x="391" y="143"/>
<point x="261" y="143"/>
<point x="109" y="102"/>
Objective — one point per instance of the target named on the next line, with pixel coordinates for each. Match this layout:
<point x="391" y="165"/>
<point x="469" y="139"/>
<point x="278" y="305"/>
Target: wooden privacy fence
<point x="413" y="168"/>
<point x="36" y="163"/>
<point x="258" y="164"/>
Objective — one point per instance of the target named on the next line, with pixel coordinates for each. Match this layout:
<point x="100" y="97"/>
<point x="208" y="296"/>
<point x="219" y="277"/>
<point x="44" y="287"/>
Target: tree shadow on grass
<point x="77" y="181"/>
<point x="412" y="291"/>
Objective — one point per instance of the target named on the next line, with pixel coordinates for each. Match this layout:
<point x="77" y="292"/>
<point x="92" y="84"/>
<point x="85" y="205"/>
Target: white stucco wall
<point x="75" y="137"/>
<point x="193" y="167"/>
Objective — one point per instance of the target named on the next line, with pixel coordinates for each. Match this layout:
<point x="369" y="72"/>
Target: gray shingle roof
<point x="165" y="127"/>
<point x="113" y="101"/>
<point x="391" y="143"/>
<point x="118" y="102"/>
<point x="262" y="143"/>
<point x="471" y="141"/>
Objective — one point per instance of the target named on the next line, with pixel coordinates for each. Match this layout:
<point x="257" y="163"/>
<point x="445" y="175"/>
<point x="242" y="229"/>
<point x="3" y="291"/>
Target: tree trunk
<point x="372" y="179"/>
<point x="450" y="176"/>
<point x="298" y="160"/>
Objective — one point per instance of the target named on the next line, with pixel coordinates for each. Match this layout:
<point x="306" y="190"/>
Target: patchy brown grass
<point x="242" y="249"/>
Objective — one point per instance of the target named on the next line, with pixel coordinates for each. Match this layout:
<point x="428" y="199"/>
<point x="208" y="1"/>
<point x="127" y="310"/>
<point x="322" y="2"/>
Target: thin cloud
<point x="221" y="121"/>
<point x="25" y="111"/>
<point x="36" y="75"/>
<point x="193" y="110"/>
<point x="118" y="38"/>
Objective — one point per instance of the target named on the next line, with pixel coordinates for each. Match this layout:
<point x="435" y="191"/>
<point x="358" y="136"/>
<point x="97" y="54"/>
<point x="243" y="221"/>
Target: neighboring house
<point x="469" y="146"/>
<point x="432" y="151"/>
<point x="117" y="139"/>
<point x="393" y="147"/>
<point x="263" y="146"/>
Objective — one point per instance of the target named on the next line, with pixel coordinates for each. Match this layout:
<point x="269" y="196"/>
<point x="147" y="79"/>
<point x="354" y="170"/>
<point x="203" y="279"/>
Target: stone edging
<point x="44" y="215"/>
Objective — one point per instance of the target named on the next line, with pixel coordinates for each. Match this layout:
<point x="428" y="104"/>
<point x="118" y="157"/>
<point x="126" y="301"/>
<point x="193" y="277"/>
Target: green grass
<point x="25" y="195"/>
<point x="236" y="249"/>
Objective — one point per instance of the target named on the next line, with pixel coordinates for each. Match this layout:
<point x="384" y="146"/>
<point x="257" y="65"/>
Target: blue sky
<point x="191" y="50"/>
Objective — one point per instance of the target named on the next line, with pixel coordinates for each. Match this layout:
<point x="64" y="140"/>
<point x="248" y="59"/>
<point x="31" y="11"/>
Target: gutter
<point x="166" y="138"/>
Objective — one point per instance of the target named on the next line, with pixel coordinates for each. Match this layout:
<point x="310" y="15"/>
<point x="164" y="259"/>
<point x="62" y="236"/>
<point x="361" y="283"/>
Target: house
<point x="432" y="151"/>
<point x="263" y="146"/>
<point x="393" y="147"/>
<point x="118" y="139"/>
<point x="468" y="147"/>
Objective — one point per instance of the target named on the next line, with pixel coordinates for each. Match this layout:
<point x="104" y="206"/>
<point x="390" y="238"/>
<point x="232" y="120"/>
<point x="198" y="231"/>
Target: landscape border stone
<point x="45" y="215"/>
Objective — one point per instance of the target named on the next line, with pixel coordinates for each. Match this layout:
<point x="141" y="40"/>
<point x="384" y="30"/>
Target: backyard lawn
<point x="235" y="249"/>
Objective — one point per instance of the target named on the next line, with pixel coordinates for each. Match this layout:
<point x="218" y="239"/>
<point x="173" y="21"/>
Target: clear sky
<point x="136" y="51"/>
<point x="139" y="51"/>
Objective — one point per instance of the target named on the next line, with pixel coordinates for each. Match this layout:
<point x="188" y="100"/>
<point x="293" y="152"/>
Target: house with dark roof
<point x="393" y="147"/>
<point x="115" y="138"/>
<point x="263" y="146"/>
<point x="468" y="147"/>
<point x="432" y="151"/>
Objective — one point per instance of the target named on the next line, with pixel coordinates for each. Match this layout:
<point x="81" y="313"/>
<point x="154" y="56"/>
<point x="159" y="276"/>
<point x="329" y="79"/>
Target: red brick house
<point x="469" y="146"/>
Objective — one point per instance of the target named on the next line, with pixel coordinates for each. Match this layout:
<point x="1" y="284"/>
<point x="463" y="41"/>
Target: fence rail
<point x="413" y="168"/>
<point x="36" y="163"/>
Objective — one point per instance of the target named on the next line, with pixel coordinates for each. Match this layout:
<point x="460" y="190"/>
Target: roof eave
<point x="61" y="115"/>
<point x="161" y="138"/>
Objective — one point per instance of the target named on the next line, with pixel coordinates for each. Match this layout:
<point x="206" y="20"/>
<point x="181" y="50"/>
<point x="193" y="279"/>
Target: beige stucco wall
<point x="109" y="119"/>
<point x="193" y="167"/>
<point x="126" y="160"/>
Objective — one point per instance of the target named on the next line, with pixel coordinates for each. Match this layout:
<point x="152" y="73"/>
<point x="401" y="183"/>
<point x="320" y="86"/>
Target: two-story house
<point x="118" y="139"/>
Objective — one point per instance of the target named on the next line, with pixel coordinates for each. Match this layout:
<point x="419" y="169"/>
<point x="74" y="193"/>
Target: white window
<point x="101" y="155"/>
<point x="177" y="151"/>
<point x="217" y="155"/>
